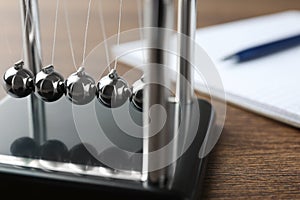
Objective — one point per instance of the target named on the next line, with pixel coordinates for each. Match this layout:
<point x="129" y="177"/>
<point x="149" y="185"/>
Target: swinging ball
<point x="49" y="84"/>
<point x="113" y="90"/>
<point x="80" y="87"/>
<point x="18" y="82"/>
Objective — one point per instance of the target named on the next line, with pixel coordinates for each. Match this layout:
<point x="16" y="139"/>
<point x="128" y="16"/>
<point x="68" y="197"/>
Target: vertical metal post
<point x="157" y="14"/>
<point x="33" y="59"/>
<point x="186" y="28"/>
<point x="187" y="18"/>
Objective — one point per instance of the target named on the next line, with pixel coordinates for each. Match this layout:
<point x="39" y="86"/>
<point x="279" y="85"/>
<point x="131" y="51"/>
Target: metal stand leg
<point x="187" y="16"/>
<point x="158" y="14"/>
<point x="33" y="59"/>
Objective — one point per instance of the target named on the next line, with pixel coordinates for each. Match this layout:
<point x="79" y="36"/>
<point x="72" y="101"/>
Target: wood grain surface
<point x="255" y="158"/>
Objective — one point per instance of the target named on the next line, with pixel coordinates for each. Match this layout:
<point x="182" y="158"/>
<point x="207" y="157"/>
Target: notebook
<point x="269" y="86"/>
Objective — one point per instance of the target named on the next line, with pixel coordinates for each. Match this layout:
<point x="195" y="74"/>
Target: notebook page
<point x="270" y="85"/>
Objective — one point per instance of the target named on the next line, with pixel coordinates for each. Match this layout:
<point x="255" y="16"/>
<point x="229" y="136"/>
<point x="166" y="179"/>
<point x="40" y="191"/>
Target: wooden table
<point x="255" y="157"/>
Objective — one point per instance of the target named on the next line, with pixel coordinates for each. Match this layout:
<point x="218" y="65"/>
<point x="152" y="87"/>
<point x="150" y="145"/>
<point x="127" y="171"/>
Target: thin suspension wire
<point x="25" y="28"/>
<point x="4" y="36"/>
<point x="69" y="34"/>
<point x="28" y="16"/>
<point x="86" y="32"/>
<point x="140" y="18"/>
<point x="104" y="35"/>
<point x="55" y="30"/>
<point x="119" y="29"/>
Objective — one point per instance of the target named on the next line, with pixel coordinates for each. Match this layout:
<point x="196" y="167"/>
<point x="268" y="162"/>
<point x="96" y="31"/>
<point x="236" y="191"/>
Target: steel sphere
<point x="80" y="87"/>
<point x="18" y="82"/>
<point x="113" y="90"/>
<point x="49" y="85"/>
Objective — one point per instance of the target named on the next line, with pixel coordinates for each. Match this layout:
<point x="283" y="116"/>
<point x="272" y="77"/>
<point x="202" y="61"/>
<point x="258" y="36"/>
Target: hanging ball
<point x="49" y="84"/>
<point x="54" y="150"/>
<point x="24" y="147"/>
<point x="18" y="82"/>
<point x="137" y="93"/>
<point x="80" y="87"/>
<point x="113" y="90"/>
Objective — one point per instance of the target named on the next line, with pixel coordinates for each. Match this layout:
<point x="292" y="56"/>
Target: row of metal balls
<point x="83" y="154"/>
<point x="80" y="88"/>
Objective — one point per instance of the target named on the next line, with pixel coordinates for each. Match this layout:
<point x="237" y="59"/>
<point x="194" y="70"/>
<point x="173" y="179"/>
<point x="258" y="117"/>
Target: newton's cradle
<point x="64" y="143"/>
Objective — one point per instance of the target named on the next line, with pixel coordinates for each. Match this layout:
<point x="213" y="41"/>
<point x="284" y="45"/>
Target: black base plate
<point x="188" y="177"/>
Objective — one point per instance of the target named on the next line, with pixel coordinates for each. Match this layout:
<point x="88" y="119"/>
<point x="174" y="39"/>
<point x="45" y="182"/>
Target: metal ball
<point x="49" y="84"/>
<point x="137" y="93"/>
<point x="113" y="91"/>
<point x="18" y="82"/>
<point x="80" y="87"/>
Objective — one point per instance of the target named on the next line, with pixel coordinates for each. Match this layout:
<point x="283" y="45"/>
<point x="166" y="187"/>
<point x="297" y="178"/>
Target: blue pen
<point x="265" y="49"/>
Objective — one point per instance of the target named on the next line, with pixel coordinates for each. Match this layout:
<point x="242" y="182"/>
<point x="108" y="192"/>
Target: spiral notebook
<point x="269" y="86"/>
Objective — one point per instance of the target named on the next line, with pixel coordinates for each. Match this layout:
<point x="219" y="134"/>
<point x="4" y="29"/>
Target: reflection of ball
<point x="83" y="154"/>
<point x="80" y="87"/>
<point x="24" y="147"/>
<point x="136" y="161"/>
<point x="54" y="150"/>
<point x="49" y="84"/>
<point x="18" y="81"/>
<point x="115" y="158"/>
<point x="113" y="91"/>
<point x="137" y="94"/>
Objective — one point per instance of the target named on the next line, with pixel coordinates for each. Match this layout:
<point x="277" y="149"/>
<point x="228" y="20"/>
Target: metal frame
<point x="187" y="18"/>
<point x="33" y="60"/>
<point x="160" y="14"/>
